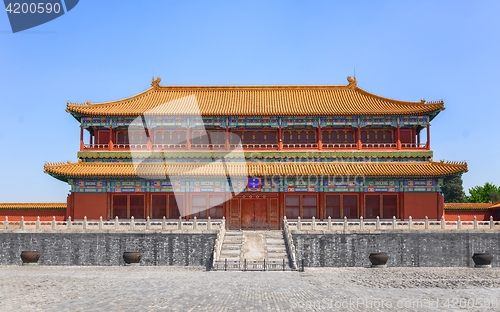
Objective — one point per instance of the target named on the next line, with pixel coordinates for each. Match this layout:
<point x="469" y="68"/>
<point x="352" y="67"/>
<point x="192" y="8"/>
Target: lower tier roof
<point x="28" y="206"/>
<point x="64" y="171"/>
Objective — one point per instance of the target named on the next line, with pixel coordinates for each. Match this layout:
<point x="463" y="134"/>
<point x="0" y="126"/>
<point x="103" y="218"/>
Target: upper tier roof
<point x="159" y="169"/>
<point x="255" y="101"/>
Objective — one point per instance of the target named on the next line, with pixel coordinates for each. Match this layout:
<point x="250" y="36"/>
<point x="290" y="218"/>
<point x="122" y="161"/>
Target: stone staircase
<point x="253" y="245"/>
<point x="275" y="246"/>
<point x="231" y="246"/>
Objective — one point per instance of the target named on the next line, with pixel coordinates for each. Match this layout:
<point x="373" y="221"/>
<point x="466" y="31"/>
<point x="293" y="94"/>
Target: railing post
<point x="345" y="223"/>
<point x="53" y="223"/>
<point x="194" y="223"/>
<point x="84" y="222"/>
<point x="443" y="223"/>
<point x="21" y="224"/>
<point x="299" y="224"/>
<point x="6" y="223"/>
<point x="148" y="223"/>
<point x="245" y="264"/>
<point x="132" y="223"/>
<point x="491" y="222"/>
<point x="426" y="226"/>
<point x="117" y="224"/>
<point x="179" y="225"/>
<point x="283" y="265"/>
<point x="410" y="220"/>
<point x="393" y="222"/>
<point x="377" y="223"/>
<point x="164" y="223"/>
<point x="68" y="223"/>
<point x="100" y="223"/>
<point x="209" y="224"/>
<point x="225" y="264"/>
<point x="264" y="264"/>
<point x="459" y="223"/>
<point x="313" y="224"/>
<point x="361" y="223"/>
<point x="475" y="222"/>
<point x="37" y="223"/>
<point x="329" y="223"/>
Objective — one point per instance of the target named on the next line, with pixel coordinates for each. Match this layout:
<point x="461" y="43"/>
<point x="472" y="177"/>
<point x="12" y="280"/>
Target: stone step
<point x="230" y="233"/>
<point x="274" y="235"/>
<point x="234" y="252"/>
<point x="276" y="248"/>
<point x="222" y="259"/>
<point x="276" y="252"/>
<point x="231" y="246"/>
<point x="275" y="241"/>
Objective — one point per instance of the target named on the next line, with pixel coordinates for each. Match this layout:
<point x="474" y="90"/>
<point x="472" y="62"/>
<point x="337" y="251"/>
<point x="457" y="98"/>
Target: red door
<point x="254" y="214"/>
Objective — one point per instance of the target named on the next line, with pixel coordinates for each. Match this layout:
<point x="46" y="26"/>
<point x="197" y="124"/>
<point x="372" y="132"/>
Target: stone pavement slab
<point x="72" y="288"/>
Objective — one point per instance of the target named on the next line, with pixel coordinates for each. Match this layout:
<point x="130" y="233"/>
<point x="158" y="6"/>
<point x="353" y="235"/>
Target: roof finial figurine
<point x="155" y="83"/>
<point x="352" y="82"/>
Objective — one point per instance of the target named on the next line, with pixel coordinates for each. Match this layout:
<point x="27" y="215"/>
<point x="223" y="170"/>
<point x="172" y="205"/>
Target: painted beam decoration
<point x="264" y="184"/>
<point x="253" y="122"/>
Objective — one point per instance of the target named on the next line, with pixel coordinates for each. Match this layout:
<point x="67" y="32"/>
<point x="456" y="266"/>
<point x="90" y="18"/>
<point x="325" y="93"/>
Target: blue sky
<point x="106" y="50"/>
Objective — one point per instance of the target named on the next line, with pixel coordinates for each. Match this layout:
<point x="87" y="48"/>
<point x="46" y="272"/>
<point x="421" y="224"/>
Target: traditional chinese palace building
<point x="255" y="154"/>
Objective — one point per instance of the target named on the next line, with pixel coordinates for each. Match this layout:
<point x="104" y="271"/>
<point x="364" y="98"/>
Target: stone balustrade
<point x="114" y="225"/>
<point x="368" y="225"/>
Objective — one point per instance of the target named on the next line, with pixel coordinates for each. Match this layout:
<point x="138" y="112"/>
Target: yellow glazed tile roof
<point x="106" y="169"/>
<point x="466" y="206"/>
<point x="255" y="101"/>
<point x="17" y="206"/>
<point x="495" y="206"/>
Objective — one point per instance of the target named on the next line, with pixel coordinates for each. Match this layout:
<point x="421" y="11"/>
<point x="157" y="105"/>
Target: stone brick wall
<point x="181" y="249"/>
<point x="405" y="249"/>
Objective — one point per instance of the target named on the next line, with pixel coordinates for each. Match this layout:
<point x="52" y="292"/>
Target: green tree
<point x="453" y="189"/>
<point x="483" y="194"/>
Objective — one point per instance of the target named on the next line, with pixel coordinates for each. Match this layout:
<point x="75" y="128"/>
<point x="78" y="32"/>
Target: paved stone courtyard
<point x="63" y="288"/>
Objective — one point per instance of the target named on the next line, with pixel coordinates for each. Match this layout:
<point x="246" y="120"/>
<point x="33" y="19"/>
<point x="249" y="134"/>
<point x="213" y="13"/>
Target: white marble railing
<point x="387" y="224"/>
<point x="114" y="225"/>
<point x="290" y="246"/>
<point x="221" y="232"/>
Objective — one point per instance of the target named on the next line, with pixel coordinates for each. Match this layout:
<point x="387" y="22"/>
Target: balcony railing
<point x="96" y="146"/>
<point x="168" y="146"/>
<point x="340" y="145"/>
<point x="413" y="145"/>
<point x="300" y="145"/>
<point x="208" y="146"/>
<point x="378" y="145"/>
<point x="264" y="146"/>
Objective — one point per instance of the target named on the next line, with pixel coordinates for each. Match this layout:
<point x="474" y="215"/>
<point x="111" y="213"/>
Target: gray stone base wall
<point x="405" y="249"/>
<point x="107" y="248"/>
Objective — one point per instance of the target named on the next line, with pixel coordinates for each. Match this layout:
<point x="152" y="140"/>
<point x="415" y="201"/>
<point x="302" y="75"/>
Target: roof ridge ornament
<point x="155" y="83"/>
<point x="352" y="82"/>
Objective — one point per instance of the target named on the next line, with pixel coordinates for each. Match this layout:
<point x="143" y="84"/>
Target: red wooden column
<point x="418" y="139"/>
<point x="188" y="138"/>
<point x="227" y="138"/>
<point x="320" y="144"/>
<point x="428" y="136"/>
<point x="280" y="141"/>
<point x="110" y="138"/>
<point x="358" y="135"/>
<point x="91" y="138"/>
<point x="81" y="138"/>
<point x="399" y="138"/>
<point x="150" y="144"/>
